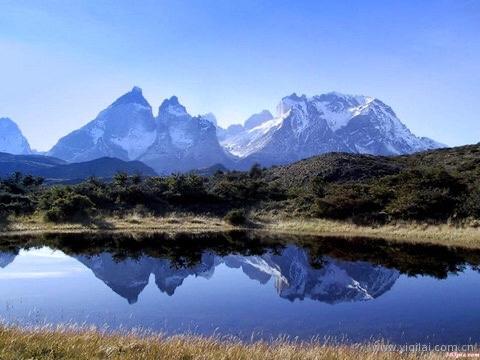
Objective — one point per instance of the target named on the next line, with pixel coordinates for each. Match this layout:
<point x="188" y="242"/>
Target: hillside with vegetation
<point x="434" y="187"/>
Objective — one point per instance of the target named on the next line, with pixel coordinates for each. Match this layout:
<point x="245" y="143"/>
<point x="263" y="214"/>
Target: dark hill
<point x="463" y="161"/>
<point x="56" y="170"/>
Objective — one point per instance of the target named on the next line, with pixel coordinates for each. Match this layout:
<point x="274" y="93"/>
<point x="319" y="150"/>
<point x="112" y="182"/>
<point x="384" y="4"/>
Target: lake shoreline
<point x="49" y="343"/>
<point x="441" y="234"/>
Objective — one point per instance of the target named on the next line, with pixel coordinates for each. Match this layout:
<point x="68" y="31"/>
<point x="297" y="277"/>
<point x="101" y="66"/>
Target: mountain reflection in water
<point x="294" y="278"/>
<point x="241" y="283"/>
<point x="329" y="270"/>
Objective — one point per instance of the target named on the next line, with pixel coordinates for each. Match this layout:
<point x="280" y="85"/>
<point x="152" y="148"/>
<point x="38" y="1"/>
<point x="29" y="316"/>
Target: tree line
<point x="420" y="193"/>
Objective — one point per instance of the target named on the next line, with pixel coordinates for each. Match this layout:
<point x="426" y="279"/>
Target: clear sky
<point x="61" y="62"/>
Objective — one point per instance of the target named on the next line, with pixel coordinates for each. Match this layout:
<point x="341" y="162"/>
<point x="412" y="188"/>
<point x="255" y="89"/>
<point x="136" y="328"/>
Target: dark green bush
<point x="64" y="205"/>
<point x="236" y="217"/>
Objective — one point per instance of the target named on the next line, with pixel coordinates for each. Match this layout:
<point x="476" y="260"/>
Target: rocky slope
<point x="11" y="138"/>
<point x="183" y="142"/>
<point x="173" y="141"/>
<point x="331" y="122"/>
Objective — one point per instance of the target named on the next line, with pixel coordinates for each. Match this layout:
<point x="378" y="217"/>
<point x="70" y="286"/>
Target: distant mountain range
<point x="56" y="170"/>
<point x="331" y="122"/>
<point x="175" y="141"/>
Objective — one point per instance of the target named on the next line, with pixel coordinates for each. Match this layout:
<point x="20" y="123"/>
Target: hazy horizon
<point x="64" y="62"/>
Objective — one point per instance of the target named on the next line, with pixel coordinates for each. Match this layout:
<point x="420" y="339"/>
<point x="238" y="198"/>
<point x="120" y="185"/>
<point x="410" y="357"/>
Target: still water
<point x="245" y="286"/>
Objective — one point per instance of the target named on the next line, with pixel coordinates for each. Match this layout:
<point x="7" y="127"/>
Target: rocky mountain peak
<point x="210" y="117"/>
<point x="172" y="108"/>
<point x="11" y="138"/>
<point x="134" y="96"/>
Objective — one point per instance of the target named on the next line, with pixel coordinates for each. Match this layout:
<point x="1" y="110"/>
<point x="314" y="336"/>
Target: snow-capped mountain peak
<point x="291" y="102"/>
<point x="127" y="129"/>
<point x="308" y="126"/>
<point x="172" y="107"/>
<point x="11" y="138"/>
<point x="123" y="130"/>
<point x="175" y="141"/>
<point x="134" y="96"/>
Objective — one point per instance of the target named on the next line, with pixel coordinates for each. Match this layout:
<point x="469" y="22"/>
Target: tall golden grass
<point x="467" y="235"/>
<point x="47" y="343"/>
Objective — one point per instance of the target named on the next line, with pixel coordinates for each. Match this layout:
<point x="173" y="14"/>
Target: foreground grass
<point x="71" y="344"/>
<point x="467" y="236"/>
<point x="442" y="234"/>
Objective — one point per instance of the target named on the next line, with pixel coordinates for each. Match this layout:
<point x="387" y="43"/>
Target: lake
<point x="244" y="284"/>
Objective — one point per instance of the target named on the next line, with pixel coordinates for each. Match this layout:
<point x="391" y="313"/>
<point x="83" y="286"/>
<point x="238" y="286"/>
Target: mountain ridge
<point x="331" y="122"/>
<point x="175" y="141"/>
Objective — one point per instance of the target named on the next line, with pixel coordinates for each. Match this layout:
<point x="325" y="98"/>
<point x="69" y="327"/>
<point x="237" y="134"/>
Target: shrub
<point x="64" y="205"/>
<point x="236" y="217"/>
<point x="425" y="194"/>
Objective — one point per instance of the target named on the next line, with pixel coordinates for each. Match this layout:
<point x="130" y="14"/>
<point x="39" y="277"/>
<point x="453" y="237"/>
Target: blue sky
<point x="61" y="62"/>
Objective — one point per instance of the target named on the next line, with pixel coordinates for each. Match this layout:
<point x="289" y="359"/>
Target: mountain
<point x="53" y="169"/>
<point x="128" y="277"/>
<point x="6" y="258"/>
<point x="236" y="129"/>
<point x="292" y="274"/>
<point x="174" y="141"/>
<point x="11" y="138"/>
<point x="331" y="122"/>
<point x="183" y="142"/>
<point x="26" y="164"/>
<point x="258" y="119"/>
<point x="334" y="282"/>
<point x="124" y="130"/>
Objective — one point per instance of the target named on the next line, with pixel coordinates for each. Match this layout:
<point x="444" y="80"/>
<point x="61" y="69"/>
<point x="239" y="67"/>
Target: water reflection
<point x="330" y="270"/>
<point x="238" y="283"/>
<point x="294" y="278"/>
<point x="6" y="258"/>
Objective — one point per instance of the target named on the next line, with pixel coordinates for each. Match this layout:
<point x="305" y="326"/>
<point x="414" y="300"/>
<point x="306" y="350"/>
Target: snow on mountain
<point x="229" y="132"/>
<point x="12" y="140"/>
<point x="289" y="271"/>
<point x="237" y="130"/>
<point x="250" y="141"/>
<point x="258" y="119"/>
<point x="336" y="281"/>
<point x="174" y="141"/>
<point x="128" y="277"/>
<point x="183" y="142"/>
<point x="210" y="117"/>
<point x="306" y="127"/>
<point x="124" y="130"/>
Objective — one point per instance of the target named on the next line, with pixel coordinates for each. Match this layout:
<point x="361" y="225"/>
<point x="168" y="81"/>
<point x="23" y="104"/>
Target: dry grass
<point x="72" y="344"/>
<point x="442" y="234"/>
<point x="172" y="223"/>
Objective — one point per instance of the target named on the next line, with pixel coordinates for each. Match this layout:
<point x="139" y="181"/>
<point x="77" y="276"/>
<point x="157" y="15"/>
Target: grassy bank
<point x="130" y="223"/>
<point x="442" y="234"/>
<point x="69" y="344"/>
<point x="467" y="236"/>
